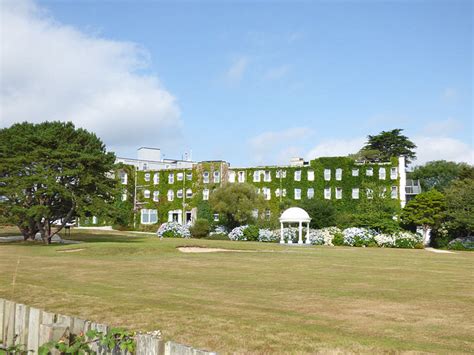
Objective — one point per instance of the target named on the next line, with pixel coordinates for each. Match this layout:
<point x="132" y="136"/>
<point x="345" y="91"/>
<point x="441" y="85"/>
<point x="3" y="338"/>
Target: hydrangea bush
<point x="385" y="240"/>
<point x="266" y="235"/>
<point x="238" y="233"/>
<point x="323" y="236"/>
<point x="358" y="237"/>
<point x="408" y="240"/>
<point x="173" y="230"/>
<point x="219" y="230"/>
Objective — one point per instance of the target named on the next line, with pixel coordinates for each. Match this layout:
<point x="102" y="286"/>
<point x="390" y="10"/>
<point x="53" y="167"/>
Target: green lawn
<point x="273" y="299"/>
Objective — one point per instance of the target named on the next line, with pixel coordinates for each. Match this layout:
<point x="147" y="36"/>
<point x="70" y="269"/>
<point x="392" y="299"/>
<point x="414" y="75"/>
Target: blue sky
<point x="259" y="82"/>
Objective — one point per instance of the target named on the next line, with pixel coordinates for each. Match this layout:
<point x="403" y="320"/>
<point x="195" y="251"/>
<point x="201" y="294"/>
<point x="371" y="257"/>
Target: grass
<point x="275" y="299"/>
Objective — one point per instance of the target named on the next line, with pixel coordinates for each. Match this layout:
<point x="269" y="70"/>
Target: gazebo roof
<point x="295" y="214"/>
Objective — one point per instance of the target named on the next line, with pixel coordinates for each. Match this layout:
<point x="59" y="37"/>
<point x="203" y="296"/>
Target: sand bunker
<point x="69" y="250"/>
<point x="209" y="250"/>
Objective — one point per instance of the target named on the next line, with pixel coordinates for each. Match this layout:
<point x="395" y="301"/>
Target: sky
<point x="249" y="82"/>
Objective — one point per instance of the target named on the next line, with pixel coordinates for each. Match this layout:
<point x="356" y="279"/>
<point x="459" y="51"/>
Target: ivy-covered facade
<point x="151" y="197"/>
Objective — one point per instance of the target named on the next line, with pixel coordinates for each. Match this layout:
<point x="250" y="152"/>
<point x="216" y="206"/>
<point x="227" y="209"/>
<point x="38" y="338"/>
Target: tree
<point x="439" y="174"/>
<point x="322" y="213"/>
<point x="52" y="172"/>
<point x="460" y="204"/>
<point x="390" y="144"/>
<point x="427" y="210"/>
<point x="235" y="203"/>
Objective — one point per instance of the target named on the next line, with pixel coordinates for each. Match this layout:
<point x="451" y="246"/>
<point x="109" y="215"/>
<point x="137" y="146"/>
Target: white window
<point x="327" y="193"/>
<point x="283" y="192"/>
<point x="146" y="193"/>
<point x="369" y="172"/>
<point x="156" y="196"/>
<point x="355" y="172"/>
<point x="216" y="217"/>
<point x="189" y="176"/>
<point x="241" y="176"/>
<point x="255" y="213"/>
<point x="383" y="192"/>
<point x="382" y="173"/>
<point x="393" y="173"/>
<point x="298" y="175"/>
<point x="145" y="166"/>
<point x="281" y="174"/>
<point x="338" y="193"/>
<point x="370" y="193"/>
<point x="355" y="193"/>
<point x="189" y="193"/>
<point x="277" y="192"/>
<point x="170" y="195"/>
<point x="170" y="178"/>
<point x="310" y="175"/>
<point x="297" y="194"/>
<point x="147" y="177"/>
<point x="179" y="193"/>
<point x="205" y="177"/>
<point x="310" y="192"/>
<point x="156" y="178"/>
<point x="94" y="220"/>
<point x="256" y="176"/>
<point x="231" y="177"/>
<point x="338" y="174"/>
<point x="149" y="216"/>
<point x="267" y="194"/>
<point x="217" y="177"/>
<point x="124" y="195"/>
<point x="327" y="174"/>
<point x="123" y="178"/>
<point x="394" y="192"/>
<point x="205" y="194"/>
<point x="267" y="176"/>
<point x="179" y="176"/>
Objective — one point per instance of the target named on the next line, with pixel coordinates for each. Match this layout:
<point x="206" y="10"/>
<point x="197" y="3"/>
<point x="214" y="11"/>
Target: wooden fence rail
<point x="32" y="327"/>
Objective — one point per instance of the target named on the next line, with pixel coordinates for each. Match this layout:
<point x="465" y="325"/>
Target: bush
<point x="217" y="236"/>
<point x="323" y="236"/>
<point x="358" y="237"/>
<point x="173" y="230"/>
<point x="408" y="240"/>
<point x="266" y="235"/>
<point x="251" y="233"/>
<point x="238" y="233"/>
<point x="338" y="239"/>
<point x="200" y="229"/>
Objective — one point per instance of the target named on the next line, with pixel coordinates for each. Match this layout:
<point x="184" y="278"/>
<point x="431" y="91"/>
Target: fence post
<point x="9" y="323"/>
<point x="22" y="313"/>
<point x="2" y="316"/>
<point x="34" y="330"/>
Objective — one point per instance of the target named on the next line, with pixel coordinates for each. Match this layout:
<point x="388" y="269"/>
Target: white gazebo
<point x="295" y="215"/>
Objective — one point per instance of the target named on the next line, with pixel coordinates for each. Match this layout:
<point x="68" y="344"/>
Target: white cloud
<point x="237" y="69"/>
<point x="442" y="148"/>
<point x="277" y="72"/>
<point x="442" y="127"/>
<point x="336" y="147"/>
<point x="51" y="71"/>
<point x="280" y="144"/>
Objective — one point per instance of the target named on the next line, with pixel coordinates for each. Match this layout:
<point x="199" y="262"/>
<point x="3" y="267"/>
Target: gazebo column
<point x="289" y="241"/>
<point x="300" y="233"/>
<point x="307" y="235"/>
<point x="282" y="238"/>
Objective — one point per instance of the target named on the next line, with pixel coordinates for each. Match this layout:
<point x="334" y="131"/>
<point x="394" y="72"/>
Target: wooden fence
<point x="32" y="327"/>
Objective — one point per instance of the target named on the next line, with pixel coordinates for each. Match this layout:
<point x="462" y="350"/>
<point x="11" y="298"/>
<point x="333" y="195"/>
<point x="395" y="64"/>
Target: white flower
<point x="266" y="235"/>
<point x="238" y="233"/>
<point x="174" y="229"/>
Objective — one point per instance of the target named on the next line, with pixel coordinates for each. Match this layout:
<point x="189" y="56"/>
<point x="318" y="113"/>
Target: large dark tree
<point x="390" y="144"/>
<point x="52" y="172"/>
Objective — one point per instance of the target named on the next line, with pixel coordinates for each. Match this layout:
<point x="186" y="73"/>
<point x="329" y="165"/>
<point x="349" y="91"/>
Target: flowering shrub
<point x="357" y="237"/>
<point x="290" y="234"/>
<point x="173" y="230"/>
<point x="323" y="236"/>
<point x="238" y="233"/>
<point x="266" y="235"/>
<point x="408" y="240"/>
<point x="385" y="240"/>
<point x="219" y="230"/>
